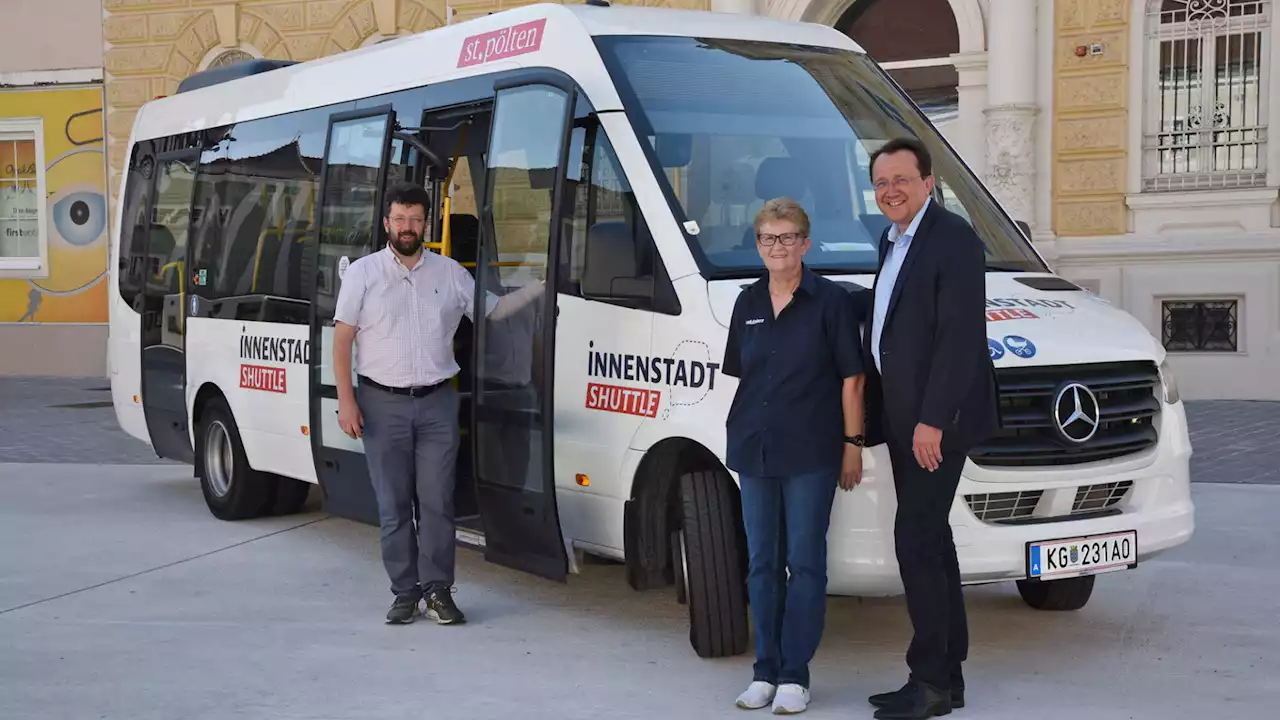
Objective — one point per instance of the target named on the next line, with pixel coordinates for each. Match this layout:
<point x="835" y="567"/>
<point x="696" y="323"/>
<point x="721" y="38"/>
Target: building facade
<point x="53" y="194"/>
<point x="1131" y="136"/>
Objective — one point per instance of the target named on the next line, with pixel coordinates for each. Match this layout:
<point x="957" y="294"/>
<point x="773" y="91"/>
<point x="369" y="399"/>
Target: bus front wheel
<point x="711" y="565"/>
<point x="232" y="489"/>
<point x="1065" y="594"/>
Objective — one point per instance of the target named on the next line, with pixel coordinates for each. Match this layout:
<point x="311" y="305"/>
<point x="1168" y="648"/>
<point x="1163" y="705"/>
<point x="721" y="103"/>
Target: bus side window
<point x="257" y="188"/>
<point x="134" y="227"/>
<point x="609" y="253"/>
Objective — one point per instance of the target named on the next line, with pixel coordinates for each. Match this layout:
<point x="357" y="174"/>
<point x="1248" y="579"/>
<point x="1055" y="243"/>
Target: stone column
<point x="738" y="7"/>
<point x="972" y="90"/>
<point x="1012" y="108"/>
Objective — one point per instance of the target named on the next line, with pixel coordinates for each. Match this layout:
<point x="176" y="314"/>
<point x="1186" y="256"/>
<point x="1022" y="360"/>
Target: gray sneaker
<point x="404" y="610"/>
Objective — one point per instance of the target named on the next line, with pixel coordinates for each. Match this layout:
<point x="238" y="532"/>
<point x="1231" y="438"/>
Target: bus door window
<point x="607" y="252"/>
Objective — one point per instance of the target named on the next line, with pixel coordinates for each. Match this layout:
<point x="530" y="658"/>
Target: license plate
<point x="1087" y="555"/>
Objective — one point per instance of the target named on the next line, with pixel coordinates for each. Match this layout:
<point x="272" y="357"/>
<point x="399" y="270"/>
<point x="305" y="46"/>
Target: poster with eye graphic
<point x="74" y="201"/>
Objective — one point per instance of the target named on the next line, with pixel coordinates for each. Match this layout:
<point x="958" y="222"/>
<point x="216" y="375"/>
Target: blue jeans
<point x="786" y="521"/>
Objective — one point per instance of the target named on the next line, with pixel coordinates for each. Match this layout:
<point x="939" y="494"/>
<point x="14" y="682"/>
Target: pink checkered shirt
<point x="405" y="319"/>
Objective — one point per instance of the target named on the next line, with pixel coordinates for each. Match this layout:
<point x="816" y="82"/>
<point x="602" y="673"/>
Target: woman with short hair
<point x="794" y="432"/>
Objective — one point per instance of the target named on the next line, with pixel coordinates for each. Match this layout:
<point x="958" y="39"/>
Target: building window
<point x="1199" y="325"/>
<point x="1206" y="121"/>
<point x="23" y="241"/>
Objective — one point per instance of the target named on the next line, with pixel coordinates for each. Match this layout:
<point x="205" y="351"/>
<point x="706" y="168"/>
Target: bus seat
<point x="464" y="236"/>
<point x="779" y="176"/>
<point x="875" y="224"/>
<point x="776" y="177"/>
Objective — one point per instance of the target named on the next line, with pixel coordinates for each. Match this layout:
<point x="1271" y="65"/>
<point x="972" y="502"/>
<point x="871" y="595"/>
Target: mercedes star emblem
<point x="1076" y="412"/>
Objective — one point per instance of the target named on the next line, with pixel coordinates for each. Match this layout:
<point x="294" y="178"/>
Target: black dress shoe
<point x="901" y="694"/>
<point x="894" y="697"/>
<point x="918" y="702"/>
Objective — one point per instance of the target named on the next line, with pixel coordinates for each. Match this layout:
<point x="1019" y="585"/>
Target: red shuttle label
<point x="625" y="400"/>
<point x="1010" y="314"/>
<point x="501" y="44"/>
<point x="262" y="377"/>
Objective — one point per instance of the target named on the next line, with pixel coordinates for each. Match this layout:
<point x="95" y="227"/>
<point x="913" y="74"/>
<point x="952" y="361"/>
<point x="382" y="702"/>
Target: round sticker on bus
<point x="343" y="263"/>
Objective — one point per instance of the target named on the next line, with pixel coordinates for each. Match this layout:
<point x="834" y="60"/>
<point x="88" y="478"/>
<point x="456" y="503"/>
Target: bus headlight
<point x="1169" y="382"/>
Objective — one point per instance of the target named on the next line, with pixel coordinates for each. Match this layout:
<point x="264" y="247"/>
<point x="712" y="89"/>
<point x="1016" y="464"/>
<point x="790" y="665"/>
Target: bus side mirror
<point x="611" y="267"/>
<point x="1024" y="227"/>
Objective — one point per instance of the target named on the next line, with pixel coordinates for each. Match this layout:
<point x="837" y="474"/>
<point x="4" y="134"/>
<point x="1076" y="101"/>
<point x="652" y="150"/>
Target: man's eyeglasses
<point x="407" y="220"/>
<point x="898" y="183"/>
<point x="768" y="239"/>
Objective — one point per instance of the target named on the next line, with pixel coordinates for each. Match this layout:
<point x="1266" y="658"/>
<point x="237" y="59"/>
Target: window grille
<point x="1200" y="326"/>
<point x="1207" y="98"/>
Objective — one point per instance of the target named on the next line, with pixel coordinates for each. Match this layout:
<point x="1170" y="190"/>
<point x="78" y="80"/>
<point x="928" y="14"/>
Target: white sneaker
<point x="757" y="695"/>
<point x="791" y="699"/>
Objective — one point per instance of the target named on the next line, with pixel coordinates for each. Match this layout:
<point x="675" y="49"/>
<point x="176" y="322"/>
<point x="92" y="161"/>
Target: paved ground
<point x="59" y="420"/>
<point x="64" y="420"/>
<point x="122" y="598"/>
<point x="1235" y="441"/>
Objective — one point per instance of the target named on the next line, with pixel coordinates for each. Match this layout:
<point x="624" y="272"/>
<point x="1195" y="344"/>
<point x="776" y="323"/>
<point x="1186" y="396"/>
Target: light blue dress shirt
<point x="899" y="244"/>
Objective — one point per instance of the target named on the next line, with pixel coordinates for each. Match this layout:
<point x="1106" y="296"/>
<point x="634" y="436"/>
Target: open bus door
<point x="513" y="355"/>
<point x="351" y="188"/>
<point x="164" y="315"/>
<point x="508" y="407"/>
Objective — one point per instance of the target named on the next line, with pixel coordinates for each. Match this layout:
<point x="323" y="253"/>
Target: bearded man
<point x="404" y="305"/>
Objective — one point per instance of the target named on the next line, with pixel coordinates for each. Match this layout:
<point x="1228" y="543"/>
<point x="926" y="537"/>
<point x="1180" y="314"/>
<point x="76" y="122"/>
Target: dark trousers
<point x="927" y="564"/>
<point x="786" y="521"/>
<point x="411" y="444"/>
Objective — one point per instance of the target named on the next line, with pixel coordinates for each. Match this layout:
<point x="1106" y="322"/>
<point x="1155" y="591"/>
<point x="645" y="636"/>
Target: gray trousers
<point x="411" y="444"/>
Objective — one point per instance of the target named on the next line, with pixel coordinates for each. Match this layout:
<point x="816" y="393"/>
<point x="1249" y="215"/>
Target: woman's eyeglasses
<point x="768" y="239"/>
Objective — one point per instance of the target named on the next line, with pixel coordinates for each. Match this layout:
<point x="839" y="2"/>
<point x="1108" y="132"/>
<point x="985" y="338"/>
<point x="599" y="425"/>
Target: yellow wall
<point x="75" y="171"/>
<point x="1091" y="97"/>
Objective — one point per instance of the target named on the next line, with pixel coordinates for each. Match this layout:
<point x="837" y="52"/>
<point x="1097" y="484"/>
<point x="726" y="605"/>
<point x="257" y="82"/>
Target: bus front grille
<point x="1030" y="435"/>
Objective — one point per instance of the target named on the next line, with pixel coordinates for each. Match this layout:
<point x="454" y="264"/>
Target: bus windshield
<point x="734" y="123"/>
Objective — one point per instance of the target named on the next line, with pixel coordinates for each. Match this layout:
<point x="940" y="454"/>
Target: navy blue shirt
<point x="787" y="417"/>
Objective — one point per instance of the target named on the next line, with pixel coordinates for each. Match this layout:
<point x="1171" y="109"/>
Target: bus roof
<point x="501" y="41"/>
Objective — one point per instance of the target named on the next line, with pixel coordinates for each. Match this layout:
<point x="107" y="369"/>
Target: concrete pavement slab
<point x="121" y="597"/>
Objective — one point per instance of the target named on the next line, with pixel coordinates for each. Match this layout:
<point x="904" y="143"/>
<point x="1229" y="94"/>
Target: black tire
<point x="232" y="489"/>
<point x="1065" y="594"/>
<point x="291" y="495"/>
<point x="715" y="555"/>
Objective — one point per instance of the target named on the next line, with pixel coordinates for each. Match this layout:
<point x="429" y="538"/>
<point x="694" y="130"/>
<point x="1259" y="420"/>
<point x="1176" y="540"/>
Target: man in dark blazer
<point x="931" y="397"/>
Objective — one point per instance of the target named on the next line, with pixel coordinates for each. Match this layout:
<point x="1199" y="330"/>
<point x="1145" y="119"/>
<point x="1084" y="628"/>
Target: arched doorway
<point x="935" y="49"/>
<point x="914" y="40"/>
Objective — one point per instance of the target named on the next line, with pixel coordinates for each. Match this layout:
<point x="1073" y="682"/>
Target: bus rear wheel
<point x="232" y="489"/>
<point x="1065" y="594"/>
<point x="711" y="566"/>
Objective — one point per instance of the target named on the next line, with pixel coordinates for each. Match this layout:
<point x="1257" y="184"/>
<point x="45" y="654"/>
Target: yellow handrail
<point x="182" y="295"/>
<point x="445" y="246"/>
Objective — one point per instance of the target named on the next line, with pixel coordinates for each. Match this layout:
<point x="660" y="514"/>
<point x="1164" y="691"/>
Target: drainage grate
<point x="93" y="404"/>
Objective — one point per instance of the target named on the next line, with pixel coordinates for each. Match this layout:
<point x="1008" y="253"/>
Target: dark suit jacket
<point x="937" y="369"/>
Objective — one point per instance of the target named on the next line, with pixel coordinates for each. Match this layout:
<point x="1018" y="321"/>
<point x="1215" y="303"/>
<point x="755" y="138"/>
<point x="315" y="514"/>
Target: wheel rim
<point x="218" y="460"/>
<point x="682" y="572"/>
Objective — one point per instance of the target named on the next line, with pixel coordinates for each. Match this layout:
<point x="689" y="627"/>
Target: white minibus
<point x="619" y="154"/>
